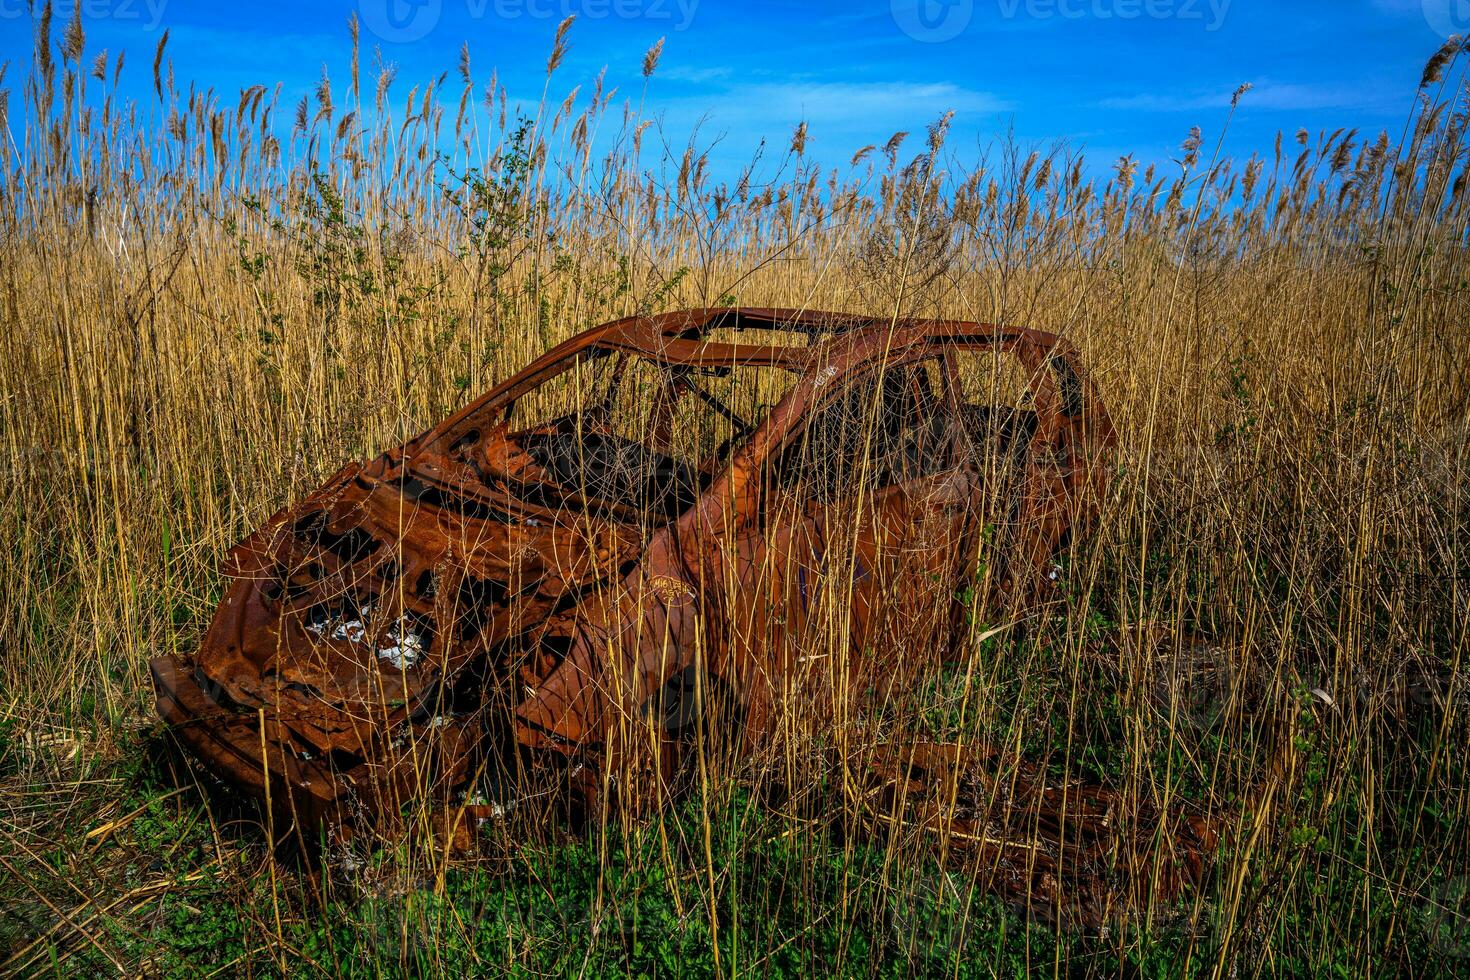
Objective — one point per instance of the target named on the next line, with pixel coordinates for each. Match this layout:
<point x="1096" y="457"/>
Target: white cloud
<point x="841" y="116"/>
<point x="831" y="107"/>
<point x="866" y="100"/>
<point x="1267" y="96"/>
<point x="695" y="76"/>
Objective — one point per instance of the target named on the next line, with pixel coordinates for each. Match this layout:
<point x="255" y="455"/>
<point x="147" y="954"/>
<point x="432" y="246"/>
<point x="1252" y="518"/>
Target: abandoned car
<point x="659" y="515"/>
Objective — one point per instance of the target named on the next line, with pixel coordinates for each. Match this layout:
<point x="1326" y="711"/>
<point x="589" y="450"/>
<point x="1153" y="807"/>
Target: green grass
<point x="181" y="885"/>
<point x="819" y="902"/>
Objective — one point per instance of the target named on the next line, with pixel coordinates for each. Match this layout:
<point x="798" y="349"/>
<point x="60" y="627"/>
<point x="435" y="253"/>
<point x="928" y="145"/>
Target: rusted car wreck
<point x="648" y="531"/>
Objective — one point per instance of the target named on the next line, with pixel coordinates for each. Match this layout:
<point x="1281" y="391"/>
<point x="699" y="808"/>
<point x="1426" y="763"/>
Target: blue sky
<point x="1108" y="76"/>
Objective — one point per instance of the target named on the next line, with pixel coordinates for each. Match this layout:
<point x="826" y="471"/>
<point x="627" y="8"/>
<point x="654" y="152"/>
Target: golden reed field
<point x="211" y="300"/>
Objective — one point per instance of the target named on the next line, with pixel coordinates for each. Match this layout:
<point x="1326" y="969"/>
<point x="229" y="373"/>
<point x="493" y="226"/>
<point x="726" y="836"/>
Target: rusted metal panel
<point x="515" y="593"/>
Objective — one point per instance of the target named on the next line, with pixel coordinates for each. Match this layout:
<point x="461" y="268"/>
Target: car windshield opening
<point x="624" y="433"/>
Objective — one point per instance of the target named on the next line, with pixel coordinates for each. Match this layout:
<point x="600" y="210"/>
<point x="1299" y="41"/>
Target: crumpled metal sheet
<point x="1070" y="852"/>
<point x="450" y="616"/>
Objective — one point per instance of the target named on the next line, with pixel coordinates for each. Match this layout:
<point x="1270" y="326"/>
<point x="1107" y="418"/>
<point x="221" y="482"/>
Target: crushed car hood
<point x="351" y="607"/>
